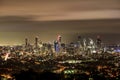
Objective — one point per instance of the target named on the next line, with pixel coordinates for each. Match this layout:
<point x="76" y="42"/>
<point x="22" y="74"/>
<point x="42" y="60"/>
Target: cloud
<point x="62" y="9"/>
<point x="15" y="18"/>
<point x="24" y="23"/>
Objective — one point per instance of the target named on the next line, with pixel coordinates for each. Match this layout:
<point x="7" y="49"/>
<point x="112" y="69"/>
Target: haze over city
<point x="48" y="18"/>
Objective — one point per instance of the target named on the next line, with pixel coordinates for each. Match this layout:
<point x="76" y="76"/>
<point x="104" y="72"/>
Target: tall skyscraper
<point x="59" y="38"/>
<point x="56" y="46"/>
<point x="99" y="41"/>
<point x="36" y="42"/>
<point x="26" y="42"/>
<point x="79" y="38"/>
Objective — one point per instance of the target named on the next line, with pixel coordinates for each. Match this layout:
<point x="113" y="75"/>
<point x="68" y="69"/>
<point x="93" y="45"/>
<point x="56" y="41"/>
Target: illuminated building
<point x="59" y="38"/>
<point x="56" y="46"/>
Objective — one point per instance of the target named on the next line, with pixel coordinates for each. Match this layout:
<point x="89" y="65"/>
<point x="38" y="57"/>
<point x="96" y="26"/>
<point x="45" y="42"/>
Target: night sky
<point x="21" y="19"/>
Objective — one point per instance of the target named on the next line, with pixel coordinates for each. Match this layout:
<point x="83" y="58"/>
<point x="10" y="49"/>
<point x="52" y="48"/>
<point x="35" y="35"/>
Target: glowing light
<point x="6" y="56"/>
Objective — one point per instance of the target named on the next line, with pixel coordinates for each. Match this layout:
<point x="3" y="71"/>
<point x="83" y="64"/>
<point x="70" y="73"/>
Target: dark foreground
<point x="31" y="75"/>
<point x="95" y="67"/>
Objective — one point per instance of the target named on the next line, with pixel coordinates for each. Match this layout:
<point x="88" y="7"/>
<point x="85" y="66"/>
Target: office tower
<point x="79" y="38"/>
<point x="59" y="38"/>
<point x="79" y="42"/>
<point x="56" y="46"/>
<point x="36" y="42"/>
<point x="26" y="42"/>
<point x="99" y="41"/>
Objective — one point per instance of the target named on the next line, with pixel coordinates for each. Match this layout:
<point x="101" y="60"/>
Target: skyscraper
<point x="99" y="41"/>
<point x="36" y="42"/>
<point x="26" y="42"/>
<point x="59" y="38"/>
